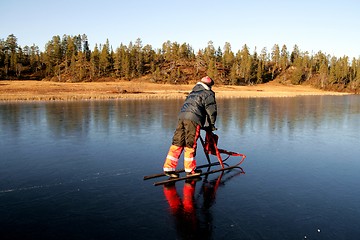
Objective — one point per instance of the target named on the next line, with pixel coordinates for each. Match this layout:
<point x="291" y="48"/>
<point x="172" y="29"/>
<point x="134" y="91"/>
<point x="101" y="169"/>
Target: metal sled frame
<point x="222" y="162"/>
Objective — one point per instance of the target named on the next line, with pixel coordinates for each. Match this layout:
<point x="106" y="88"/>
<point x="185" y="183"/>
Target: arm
<point x="211" y="109"/>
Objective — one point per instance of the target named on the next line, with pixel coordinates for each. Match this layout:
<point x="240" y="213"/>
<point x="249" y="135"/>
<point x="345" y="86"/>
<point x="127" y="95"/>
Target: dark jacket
<point x="200" y="105"/>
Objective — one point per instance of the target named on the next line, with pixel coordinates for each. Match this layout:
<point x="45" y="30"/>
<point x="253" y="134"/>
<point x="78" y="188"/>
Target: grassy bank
<point x="50" y="91"/>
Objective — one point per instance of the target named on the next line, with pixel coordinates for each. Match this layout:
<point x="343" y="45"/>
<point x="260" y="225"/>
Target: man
<point x="199" y="107"/>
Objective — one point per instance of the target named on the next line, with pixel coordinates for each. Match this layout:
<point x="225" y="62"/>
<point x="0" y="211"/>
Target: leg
<point x="176" y="148"/>
<point x="172" y="158"/>
<point x="192" y="134"/>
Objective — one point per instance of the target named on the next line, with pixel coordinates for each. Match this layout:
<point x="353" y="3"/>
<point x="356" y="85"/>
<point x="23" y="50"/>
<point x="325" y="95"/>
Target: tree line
<point x="70" y="59"/>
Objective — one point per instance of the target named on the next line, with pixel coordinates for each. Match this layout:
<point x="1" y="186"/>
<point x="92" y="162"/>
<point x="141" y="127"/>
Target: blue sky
<point x="330" y="26"/>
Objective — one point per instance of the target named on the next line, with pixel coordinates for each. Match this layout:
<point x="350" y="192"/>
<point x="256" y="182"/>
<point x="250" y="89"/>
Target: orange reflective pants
<point x="185" y="137"/>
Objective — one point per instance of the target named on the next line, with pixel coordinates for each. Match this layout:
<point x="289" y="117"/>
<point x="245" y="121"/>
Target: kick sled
<point x="210" y="148"/>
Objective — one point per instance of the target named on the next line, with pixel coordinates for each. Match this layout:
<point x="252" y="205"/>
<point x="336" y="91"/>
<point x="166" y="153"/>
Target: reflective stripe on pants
<point x="189" y="159"/>
<point x="172" y="158"/>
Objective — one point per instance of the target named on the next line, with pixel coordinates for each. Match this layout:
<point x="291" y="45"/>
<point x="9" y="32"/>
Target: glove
<point x="212" y="127"/>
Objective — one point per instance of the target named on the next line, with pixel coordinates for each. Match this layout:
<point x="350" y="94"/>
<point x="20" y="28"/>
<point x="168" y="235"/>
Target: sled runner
<point x="210" y="148"/>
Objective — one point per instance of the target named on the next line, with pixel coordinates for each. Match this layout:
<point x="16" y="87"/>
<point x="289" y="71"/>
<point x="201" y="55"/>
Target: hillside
<point x="69" y="59"/>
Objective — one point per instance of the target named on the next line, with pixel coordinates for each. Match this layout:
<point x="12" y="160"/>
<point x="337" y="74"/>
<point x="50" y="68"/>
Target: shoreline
<point x="28" y="90"/>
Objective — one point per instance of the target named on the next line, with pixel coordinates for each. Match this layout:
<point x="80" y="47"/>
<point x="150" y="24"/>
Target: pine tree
<point x="298" y="74"/>
<point x="184" y="52"/>
<point x="323" y="74"/>
<point x="218" y="55"/>
<point x="148" y="58"/>
<point x="234" y="76"/>
<point x="34" y="58"/>
<point x="228" y="56"/>
<point x="246" y="64"/>
<point x="166" y="51"/>
<point x="95" y="62"/>
<point x="355" y="83"/>
<point x="73" y="69"/>
<point x="138" y="56"/>
<point x="211" y="68"/>
<point x="319" y="59"/>
<point x="332" y="71"/>
<point x="209" y="53"/>
<point x="264" y="60"/>
<point x="117" y="61"/>
<point x="11" y="48"/>
<point x="284" y="58"/>
<point x="86" y="49"/>
<point x="104" y="57"/>
<point x="70" y="51"/>
<point x="56" y="55"/>
<point x="126" y="66"/>
<point x="2" y="52"/>
<point x="294" y="54"/>
<point x="259" y="72"/>
<point x="48" y="58"/>
<point x="275" y="58"/>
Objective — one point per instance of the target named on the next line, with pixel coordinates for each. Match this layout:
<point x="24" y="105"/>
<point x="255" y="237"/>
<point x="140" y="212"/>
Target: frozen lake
<point x="74" y="170"/>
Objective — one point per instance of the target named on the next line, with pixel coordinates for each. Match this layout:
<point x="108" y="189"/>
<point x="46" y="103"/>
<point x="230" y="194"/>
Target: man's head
<point x="208" y="81"/>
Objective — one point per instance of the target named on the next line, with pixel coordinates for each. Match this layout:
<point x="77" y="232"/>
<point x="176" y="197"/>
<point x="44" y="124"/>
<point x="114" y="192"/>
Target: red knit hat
<point x="207" y="80"/>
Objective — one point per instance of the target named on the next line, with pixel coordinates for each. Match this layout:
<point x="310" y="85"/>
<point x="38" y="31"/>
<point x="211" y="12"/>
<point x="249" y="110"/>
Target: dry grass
<point x="49" y="91"/>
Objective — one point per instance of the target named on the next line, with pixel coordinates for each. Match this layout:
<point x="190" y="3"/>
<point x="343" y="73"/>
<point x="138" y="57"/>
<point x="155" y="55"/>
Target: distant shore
<point x="50" y="91"/>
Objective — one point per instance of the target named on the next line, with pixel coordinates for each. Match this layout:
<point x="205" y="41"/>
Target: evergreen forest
<point x="70" y="59"/>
